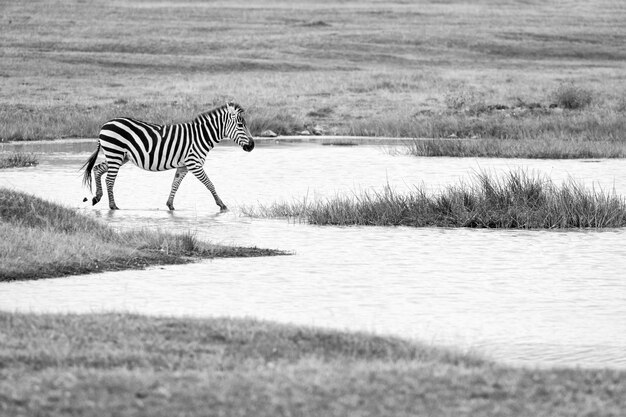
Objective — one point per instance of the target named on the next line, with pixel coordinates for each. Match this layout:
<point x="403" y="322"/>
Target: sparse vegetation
<point x="428" y="69"/>
<point x="113" y="364"/>
<point x="523" y="125"/>
<point x="519" y="201"/>
<point x="43" y="240"/>
<point x="17" y="160"/>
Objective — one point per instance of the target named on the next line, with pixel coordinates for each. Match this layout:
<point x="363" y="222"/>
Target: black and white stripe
<point x="156" y="147"/>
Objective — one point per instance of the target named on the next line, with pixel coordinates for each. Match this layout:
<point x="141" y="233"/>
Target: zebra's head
<point x="236" y="128"/>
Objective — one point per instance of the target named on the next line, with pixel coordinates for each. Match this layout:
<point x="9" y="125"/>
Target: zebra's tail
<point x="88" y="166"/>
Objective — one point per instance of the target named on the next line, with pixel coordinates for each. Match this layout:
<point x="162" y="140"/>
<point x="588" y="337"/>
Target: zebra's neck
<point x="211" y="127"/>
<point x="201" y="134"/>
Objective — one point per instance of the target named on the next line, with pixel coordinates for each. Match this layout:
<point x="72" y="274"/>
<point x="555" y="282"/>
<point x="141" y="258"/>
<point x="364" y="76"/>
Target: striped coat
<point x="155" y="147"/>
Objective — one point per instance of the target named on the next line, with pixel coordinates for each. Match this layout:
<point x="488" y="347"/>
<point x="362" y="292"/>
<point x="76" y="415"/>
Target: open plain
<point x="481" y="69"/>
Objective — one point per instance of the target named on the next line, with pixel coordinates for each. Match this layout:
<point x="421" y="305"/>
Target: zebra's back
<point x="150" y="146"/>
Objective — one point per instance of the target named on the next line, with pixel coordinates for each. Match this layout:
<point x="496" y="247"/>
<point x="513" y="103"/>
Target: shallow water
<point x="522" y="297"/>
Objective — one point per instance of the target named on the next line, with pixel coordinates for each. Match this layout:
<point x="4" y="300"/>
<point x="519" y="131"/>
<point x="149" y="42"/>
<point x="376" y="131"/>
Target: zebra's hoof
<point x="114" y="207"/>
<point x="223" y="209"/>
<point x="94" y="201"/>
<point x="170" y="206"/>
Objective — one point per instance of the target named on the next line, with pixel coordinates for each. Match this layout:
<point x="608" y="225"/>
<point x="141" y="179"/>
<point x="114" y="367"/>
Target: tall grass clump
<point x="517" y="200"/>
<point x="572" y="97"/>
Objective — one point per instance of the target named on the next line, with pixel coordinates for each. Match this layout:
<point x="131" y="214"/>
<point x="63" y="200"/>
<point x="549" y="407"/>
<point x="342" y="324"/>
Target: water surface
<point x="522" y="297"/>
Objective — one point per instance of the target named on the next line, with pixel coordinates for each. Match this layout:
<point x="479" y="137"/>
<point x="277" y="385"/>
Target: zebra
<point x="155" y="147"/>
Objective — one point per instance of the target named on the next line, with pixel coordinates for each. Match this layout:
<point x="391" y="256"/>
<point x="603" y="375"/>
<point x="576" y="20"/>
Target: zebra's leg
<point x="198" y="171"/>
<point x="98" y="170"/>
<point x="114" y="167"/>
<point x="178" y="178"/>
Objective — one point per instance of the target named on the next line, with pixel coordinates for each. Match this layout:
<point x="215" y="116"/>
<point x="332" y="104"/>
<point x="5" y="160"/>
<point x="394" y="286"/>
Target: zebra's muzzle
<point x="249" y="146"/>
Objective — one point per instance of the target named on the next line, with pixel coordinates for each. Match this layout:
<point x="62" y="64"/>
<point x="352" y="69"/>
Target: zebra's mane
<point x="218" y="109"/>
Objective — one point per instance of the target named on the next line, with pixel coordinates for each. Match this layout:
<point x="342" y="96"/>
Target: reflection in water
<point x="537" y="297"/>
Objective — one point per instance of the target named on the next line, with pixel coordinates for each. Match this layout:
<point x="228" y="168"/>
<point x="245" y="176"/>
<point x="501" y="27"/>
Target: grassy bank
<point x="519" y="201"/>
<point x="118" y="365"/>
<point x="484" y="69"/>
<point x="42" y="240"/>
<point x="17" y="160"/>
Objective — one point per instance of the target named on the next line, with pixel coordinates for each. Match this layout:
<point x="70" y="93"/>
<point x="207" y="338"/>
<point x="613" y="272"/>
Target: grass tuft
<point x="517" y="201"/>
<point x="572" y="97"/>
<point x="18" y="160"/>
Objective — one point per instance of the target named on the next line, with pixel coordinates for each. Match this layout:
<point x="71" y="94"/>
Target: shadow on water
<point x="524" y="297"/>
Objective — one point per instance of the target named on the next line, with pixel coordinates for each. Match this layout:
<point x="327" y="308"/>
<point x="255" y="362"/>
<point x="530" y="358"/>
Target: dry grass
<point x="508" y="148"/>
<point x="122" y="365"/>
<point x="394" y="69"/>
<point x="43" y="240"/>
<point x="517" y="201"/>
<point x="572" y="97"/>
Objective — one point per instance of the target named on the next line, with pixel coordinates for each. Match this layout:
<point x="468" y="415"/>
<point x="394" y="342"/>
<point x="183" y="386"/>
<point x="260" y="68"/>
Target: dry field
<point x="430" y="68"/>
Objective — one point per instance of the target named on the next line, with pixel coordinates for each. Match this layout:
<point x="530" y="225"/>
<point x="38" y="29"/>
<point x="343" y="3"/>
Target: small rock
<point x="304" y="133"/>
<point x="268" y="134"/>
<point x="453" y="136"/>
<point x="317" y="130"/>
